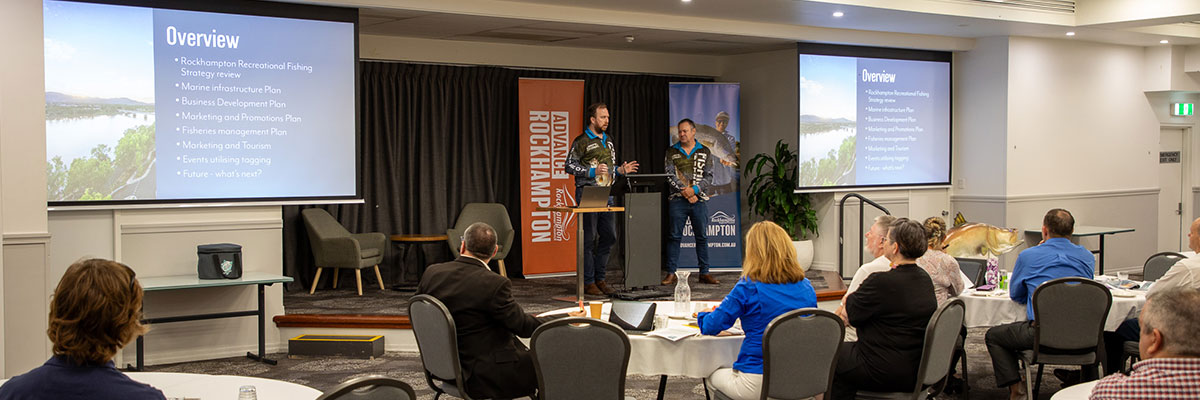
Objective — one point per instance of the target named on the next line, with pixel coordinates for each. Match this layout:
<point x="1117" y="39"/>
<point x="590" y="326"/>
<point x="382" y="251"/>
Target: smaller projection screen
<point x="872" y="118"/>
<point x="213" y="101"/>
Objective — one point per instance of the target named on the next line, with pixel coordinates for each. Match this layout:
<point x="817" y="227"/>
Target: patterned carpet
<point x="325" y="373"/>
<point x="535" y="296"/>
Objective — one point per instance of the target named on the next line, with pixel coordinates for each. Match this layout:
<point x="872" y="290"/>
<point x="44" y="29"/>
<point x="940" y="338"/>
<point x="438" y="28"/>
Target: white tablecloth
<point x="998" y="309"/>
<point x="695" y="357"/>
<point x="1079" y="391"/>
<point x="202" y="386"/>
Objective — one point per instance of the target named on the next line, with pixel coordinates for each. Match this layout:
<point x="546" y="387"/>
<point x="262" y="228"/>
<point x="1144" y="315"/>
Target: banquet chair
<point x="1068" y="326"/>
<point x="799" y="354"/>
<point x="493" y="214"/>
<point x="1132" y="354"/>
<point x="940" y="337"/>
<point x="370" y="388"/>
<point x="335" y="247"/>
<point x="557" y="347"/>
<point x="437" y="342"/>
<point x="1157" y="265"/>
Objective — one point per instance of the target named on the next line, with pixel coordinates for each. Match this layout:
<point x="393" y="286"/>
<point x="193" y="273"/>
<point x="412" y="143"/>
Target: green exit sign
<point x="1182" y="109"/>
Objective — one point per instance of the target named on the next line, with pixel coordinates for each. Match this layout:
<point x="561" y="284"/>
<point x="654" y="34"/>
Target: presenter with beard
<point x="591" y="161"/>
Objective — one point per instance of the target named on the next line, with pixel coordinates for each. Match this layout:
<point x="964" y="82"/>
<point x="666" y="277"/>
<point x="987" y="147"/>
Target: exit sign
<point x="1182" y="109"/>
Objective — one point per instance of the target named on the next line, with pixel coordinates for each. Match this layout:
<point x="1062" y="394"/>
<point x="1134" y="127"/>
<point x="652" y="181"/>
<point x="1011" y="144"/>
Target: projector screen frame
<point x="822" y="49"/>
<point x="250" y="8"/>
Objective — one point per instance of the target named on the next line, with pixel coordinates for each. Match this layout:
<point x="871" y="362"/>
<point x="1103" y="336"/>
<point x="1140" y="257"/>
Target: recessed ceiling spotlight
<point x="1070" y="33"/>
<point x="838" y="14"/>
<point x="629" y="38"/>
<point x="1164" y="41"/>
<point x="686" y="1"/>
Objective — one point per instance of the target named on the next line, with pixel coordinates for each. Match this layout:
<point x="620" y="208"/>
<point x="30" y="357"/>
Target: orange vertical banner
<point x="551" y="112"/>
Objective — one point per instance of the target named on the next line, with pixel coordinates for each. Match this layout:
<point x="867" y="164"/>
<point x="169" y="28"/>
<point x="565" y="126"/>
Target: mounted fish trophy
<point x="982" y="240"/>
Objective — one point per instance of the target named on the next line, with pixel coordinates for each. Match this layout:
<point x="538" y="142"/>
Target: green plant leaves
<point x="771" y="192"/>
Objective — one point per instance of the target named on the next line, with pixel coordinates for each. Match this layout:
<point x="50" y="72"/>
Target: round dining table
<point x="992" y="308"/>
<point x="695" y="356"/>
<point x="201" y="386"/>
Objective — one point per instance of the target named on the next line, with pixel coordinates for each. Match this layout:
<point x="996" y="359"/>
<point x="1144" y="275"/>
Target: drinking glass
<point x="247" y="392"/>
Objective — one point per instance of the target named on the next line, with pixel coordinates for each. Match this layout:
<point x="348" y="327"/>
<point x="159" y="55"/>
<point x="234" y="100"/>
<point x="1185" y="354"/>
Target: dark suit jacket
<point x="488" y="321"/>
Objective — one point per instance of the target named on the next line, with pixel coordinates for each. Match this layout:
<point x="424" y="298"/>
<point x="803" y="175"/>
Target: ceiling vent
<point x="1056" y="6"/>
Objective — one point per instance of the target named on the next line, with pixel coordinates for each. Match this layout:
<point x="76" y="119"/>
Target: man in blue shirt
<point x="1055" y="257"/>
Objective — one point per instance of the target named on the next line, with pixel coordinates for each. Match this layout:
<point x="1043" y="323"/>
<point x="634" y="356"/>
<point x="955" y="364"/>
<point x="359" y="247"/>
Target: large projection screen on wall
<point x="178" y="102"/>
<point x="872" y="118"/>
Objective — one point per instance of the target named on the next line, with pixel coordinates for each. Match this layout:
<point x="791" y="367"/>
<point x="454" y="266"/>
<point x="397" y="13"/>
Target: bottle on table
<point x="683" y="295"/>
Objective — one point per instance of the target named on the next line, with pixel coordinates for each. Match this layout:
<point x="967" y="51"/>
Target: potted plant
<point x="772" y="196"/>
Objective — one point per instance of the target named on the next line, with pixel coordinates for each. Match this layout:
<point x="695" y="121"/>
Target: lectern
<point x="579" y="213"/>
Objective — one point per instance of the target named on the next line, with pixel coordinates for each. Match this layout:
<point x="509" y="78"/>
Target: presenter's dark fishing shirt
<point x="586" y="148"/>
<point x="690" y="169"/>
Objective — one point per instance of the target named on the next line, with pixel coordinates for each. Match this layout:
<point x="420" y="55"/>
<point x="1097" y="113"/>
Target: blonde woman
<point x="942" y="268"/>
<point x="95" y="311"/>
<point x="772" y="283"/>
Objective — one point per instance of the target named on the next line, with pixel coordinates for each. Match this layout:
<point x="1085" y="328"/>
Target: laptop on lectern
<point x="594" y="197"/>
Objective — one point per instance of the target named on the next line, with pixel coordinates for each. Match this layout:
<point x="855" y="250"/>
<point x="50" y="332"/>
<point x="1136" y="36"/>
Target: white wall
<point x="1078" y="119"/>
<point x="22" y="187"/>
<point x="980" y="131"/>
<point x="162" y="242"/>
<point x="1082" y="134"/>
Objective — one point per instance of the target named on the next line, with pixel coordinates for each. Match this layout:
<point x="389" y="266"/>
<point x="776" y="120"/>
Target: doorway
<point x="1172" y="227"/>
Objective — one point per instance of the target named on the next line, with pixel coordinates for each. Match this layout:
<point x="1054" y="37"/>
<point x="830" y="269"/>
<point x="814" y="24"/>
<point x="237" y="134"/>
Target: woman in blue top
<point x="772" y="283"/>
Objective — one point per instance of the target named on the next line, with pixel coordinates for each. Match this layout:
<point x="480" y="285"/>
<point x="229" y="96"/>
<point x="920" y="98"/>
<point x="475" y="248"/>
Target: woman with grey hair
<point x="890" y="311"/>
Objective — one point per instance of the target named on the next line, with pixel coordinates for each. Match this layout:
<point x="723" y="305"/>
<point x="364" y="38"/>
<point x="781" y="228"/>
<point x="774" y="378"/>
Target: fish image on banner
<point x="714" y="107"/>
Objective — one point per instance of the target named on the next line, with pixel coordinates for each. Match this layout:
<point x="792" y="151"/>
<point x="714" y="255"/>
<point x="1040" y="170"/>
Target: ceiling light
<point x="838" y="14"/>
<point x="1164" y="41"/>
<point x="629" y="38"/>
<point x="1070" y="33"/>
<point x="687" y="1"/>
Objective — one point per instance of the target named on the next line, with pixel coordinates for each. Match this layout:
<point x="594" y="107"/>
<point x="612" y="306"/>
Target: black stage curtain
<point x="436" y="137"/>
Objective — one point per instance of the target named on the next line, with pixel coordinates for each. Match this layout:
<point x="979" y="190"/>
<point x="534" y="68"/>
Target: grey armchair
<point x="493" y="214"/>
<point x="335" y="247"/>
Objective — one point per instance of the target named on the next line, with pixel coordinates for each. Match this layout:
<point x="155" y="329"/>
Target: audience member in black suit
<point x="95" y="311"/>
<point x="488" y="321"/>
<point x="890" y="311"/>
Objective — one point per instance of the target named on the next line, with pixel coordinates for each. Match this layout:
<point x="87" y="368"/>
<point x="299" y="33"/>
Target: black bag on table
<point x="219" y="261"/>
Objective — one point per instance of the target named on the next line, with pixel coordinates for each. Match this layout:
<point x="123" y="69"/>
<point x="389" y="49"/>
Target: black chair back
<point x="1069" y="315"/>
<point x="1157" y="265"/>
<point x="941" y="338"/>
<point x="559" y="345"/>
<point x="437" y="342"/>
<point x="800" y="353"/>
<point x="370" y="388"/>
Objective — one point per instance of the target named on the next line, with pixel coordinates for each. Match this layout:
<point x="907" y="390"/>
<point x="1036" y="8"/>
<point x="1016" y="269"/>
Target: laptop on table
<point x="594" y="197"/>
<point x="633" y="316"/>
